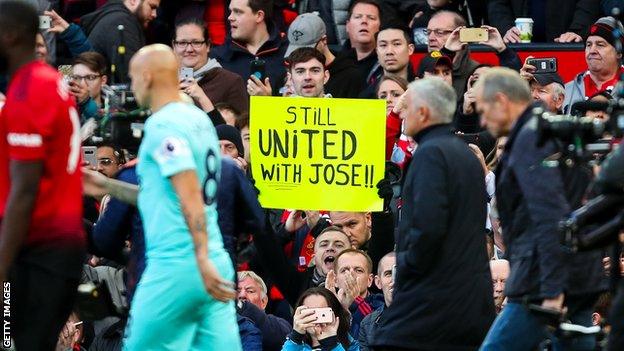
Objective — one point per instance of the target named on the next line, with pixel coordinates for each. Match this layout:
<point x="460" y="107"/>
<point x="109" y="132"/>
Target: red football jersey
<point x="39" y="122"/>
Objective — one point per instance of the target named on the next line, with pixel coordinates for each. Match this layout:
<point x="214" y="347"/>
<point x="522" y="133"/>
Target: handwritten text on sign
<point x="317" y="153"/>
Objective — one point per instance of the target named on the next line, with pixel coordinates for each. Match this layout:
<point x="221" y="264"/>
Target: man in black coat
<point x="101" y="27"/>
<point x="554" y="20"/>
<point x="442" y="291"/>
<point x="534" y="191"/>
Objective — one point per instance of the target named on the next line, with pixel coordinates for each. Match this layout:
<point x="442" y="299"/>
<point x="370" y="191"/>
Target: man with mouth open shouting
<point x="291" y="282"/>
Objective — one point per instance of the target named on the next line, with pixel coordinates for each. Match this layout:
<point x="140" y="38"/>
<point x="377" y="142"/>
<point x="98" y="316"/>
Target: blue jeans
<point x="517" y="329"/>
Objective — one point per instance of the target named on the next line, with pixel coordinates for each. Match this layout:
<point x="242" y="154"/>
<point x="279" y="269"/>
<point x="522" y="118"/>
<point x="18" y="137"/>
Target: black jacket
<point x="443" y="290"/>
<point x="345" y="80"/>
<point x="561" y="15"/>
<point x="274" y="329"/>
<point x="235" y="57"/>
<point x="365" y="65"/>
<point x="533" y="193"/>
<point x="238" y="207"/>
<point x="100" y="27"/>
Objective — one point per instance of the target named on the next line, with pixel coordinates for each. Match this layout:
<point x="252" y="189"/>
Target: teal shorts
<point x="171" y="310"/>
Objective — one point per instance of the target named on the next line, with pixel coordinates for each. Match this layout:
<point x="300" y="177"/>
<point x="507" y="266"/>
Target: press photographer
<point x="535" y="188"/>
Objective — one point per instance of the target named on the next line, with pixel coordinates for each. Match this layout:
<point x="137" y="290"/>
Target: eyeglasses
<point x="88" y="77"/>
<point x="105" y="161"/>
<point x="438" y="32"/>
<point x="183" y="44"/>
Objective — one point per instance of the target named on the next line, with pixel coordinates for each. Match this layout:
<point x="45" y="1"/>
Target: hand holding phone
<point x="186" y="74"/>
<point x="257" y="68"/>
<point x="473" y="35"/>
<point x="543" y="65"/>
<point x="89" y="155"/>
<point x="45" y="22"/>
<point x="323" y="315"/>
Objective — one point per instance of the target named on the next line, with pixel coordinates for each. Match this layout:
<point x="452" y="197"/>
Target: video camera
<point x="123" y="120"/>
<point x="583" y="136"/>
<point x="595" y="225"/>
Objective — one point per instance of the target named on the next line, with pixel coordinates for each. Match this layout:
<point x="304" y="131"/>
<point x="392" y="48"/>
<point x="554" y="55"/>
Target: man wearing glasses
<point x="443" y="35"/>
<point x="110" y="159"/>
<point x="210" y="84"/>
<point x="87" y="78"/>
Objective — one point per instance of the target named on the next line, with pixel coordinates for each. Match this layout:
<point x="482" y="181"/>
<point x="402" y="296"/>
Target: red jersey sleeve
<point x="30" y="121"/>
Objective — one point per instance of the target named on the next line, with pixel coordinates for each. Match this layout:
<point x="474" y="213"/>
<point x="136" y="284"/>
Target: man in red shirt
<point x="41" y="237"/>
<point x="603" y="63"/>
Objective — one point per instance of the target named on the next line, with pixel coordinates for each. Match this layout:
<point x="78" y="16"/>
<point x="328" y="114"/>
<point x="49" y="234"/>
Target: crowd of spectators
<point x="292" y="260"/>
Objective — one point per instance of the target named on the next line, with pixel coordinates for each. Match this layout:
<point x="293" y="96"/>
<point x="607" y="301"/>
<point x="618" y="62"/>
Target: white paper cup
<point x="525" y="25"/>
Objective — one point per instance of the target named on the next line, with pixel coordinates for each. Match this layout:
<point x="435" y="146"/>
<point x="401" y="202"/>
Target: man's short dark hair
<point x="196" y="22"/>
<point x="227" y="107"/>
<point x="118" y="152"/>
<point x="93" y="60"/>
<point x="397" y="26"/>
<point x="242" y="121"/>
<point x="20" y="18"/>
<point x="369" y="261"/>
<point x="304" y="55"/>
<point x="369" y="2"/>
<point x="265" y="5"/>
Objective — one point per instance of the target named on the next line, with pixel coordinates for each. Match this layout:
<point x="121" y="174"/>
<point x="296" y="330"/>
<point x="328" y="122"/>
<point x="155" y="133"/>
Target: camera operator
<point x="533" y="193"/>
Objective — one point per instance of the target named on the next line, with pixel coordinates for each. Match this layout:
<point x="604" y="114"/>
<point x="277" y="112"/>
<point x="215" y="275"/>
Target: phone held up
<point x="89" y="155"/>
<point x="257" y="68"/>
<point x="543" y="65"/>
<point x="473" y="35"/>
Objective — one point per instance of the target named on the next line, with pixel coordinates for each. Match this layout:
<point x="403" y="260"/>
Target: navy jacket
<point x="76" y="40"/>
<point x="251" y="338"/>
<point x="235" y="57"/>
<point x="119" y="222"/>
<point x="238" y="206"/>
<point x="274" y="329"/>
<point x="533" y="194"/>
<point x="443" y="290"/>
<point x="360" y="308"/>
<point x="367" y="328"/>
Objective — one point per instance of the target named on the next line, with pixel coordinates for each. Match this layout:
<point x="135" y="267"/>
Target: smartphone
<point x="88" y="155"/>
<point x="544" y="65"/>
<point x="473" y="35"/>
<point x="45" y="22"/>
<point x="470" y="138"/>
<point x="186" y="73"/>
<point x="323" y="315"/>
<point x="258" y="68"/>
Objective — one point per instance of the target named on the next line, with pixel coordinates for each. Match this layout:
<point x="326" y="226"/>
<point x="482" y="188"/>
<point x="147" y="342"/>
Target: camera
<point x="583" y="137"/>
<point x="123" y="120"/>
<point x="594" y="225"/>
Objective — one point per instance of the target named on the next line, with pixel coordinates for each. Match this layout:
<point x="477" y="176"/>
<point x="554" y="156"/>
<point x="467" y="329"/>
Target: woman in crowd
<point x="86" y="81"/>
<point x="398" y="146"/>
<point x="308" y="335"/>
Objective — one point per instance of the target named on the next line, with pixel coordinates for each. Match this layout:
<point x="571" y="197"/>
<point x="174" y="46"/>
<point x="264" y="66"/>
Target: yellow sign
<point x="318" y="153"/>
